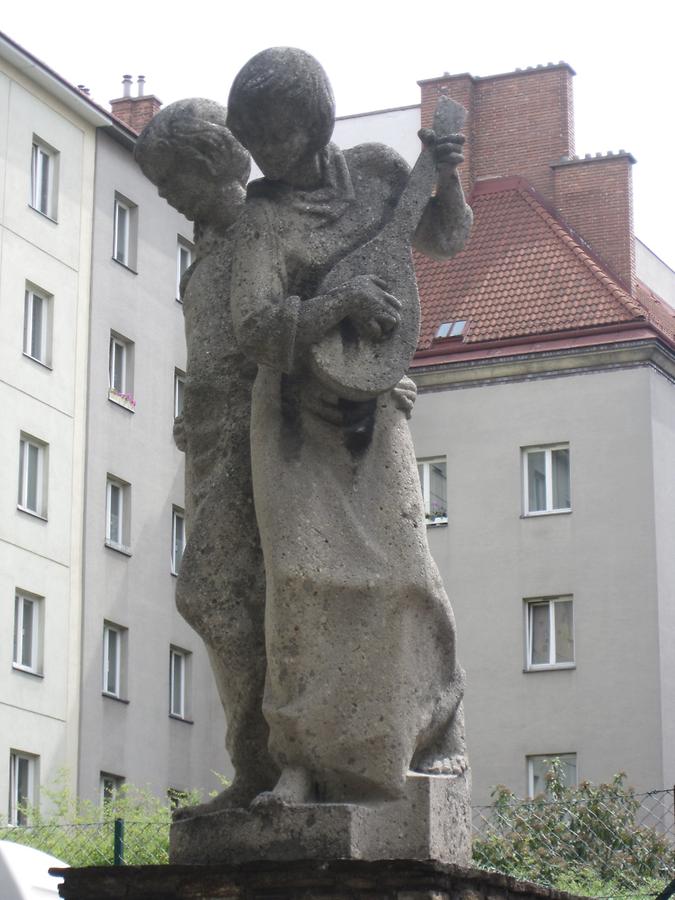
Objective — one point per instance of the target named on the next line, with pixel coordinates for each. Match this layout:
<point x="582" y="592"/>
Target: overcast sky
<point x="375" y="52"/>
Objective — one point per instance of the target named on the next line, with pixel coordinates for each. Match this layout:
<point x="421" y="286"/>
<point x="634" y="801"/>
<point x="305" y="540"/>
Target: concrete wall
<point x="38" y="713"/>
<point x="138" y="740"/>
<point x="608" y="708"/>
<point x="663" y="438"/>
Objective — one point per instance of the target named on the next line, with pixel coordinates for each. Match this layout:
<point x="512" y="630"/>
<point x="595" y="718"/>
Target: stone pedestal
<point x="308" y="880"/>
<point x="432" y="821"/>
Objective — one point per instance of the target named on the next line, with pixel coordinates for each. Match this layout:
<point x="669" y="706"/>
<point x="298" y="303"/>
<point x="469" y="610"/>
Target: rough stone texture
<point x="303" y="880"/>
<point x="362" y="682"/>
<point x="432" y="821"/>
<point x="362" y="679"/>
<point x="221" y="585"/>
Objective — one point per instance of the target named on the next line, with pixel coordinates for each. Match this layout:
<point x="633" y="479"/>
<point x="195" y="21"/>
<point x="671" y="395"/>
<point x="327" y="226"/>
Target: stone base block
<point x="310" y="880"/>
<point x="432" y="821"/>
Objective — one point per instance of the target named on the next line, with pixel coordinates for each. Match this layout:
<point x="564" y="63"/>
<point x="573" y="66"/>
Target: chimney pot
<point x="141" y="85"/>
<point x="126" y="85"/>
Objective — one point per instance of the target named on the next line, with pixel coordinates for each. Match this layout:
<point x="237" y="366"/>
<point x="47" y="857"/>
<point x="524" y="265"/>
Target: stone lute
<point x="358" y="368"/>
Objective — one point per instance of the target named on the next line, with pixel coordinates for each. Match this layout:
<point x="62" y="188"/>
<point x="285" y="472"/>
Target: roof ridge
<point x="573" y="242"/>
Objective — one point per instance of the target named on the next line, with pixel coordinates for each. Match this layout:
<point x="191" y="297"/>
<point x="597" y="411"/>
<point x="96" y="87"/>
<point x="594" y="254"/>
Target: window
<point x="178" y="682"/>
<point x="539" y="766"/>
<point x="118" y="514"/>
<point x="550" y="633"/>
<point x="434" y="484"/>
<point x="32" y="476"/>
<point x="177" y="539"/>
<point x="114" y="660"/>
<point x="178" y="392"/>
<point x="183" y="263"/>
<point x="37" y="325"/>
<point x="450" y="329"/>
<point x="43" y="180"/>
<point x="28" y="630"/>
<point x="546" y="479"/>
<point x="121" y="371"/>
<point x="110" y="787"/>
<point x="125" y="230"/>
<point x="23" y="783"/>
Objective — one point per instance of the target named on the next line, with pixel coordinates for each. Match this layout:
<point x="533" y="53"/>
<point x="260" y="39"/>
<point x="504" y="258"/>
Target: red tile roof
<point x="524" y="273"/>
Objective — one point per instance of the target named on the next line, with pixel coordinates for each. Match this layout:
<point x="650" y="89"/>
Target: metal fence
<point x="111" y="842"/>
<point x="599" y="842"/>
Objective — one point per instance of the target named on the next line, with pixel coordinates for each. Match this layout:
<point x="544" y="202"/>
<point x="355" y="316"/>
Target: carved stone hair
<point x="191" y="132"/>
<point x="282" y="85"/>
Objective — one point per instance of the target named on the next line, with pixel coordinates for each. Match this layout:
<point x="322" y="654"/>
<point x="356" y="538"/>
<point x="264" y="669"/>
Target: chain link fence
<point x="104" y="843"/>
<point x="605" y="841"/>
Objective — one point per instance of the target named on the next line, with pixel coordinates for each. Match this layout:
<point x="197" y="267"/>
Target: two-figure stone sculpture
<point x="301" y="318"/>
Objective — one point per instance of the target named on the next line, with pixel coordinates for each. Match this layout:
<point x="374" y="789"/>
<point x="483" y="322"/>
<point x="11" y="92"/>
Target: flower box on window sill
<point x="436" y="519"/>
<point x="125" y="400"/>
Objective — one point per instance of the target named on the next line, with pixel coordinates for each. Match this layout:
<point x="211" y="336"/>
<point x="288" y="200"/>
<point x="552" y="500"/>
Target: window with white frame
<point x="109" y="787"/>
<point x="114" y="660"/>
<point x="121" y="371"/>
<point x="44" y="178"/>
<point x="434" y="484"/>
<point x="183" y="263"/>
<point x="549" y="626"/>
<point x="125" y="231"/>
<point x="177" y="539"/>
<point x="23" y="782"/>
<point x="178" y="392"/>
<point x="37" y="325"/>
<point x="28" y="631"/>
<point x="32" y="476"/>
<point x="178" y="682"/>
<point x="539" y="767"/>
<point x="118" y="514"/>
<point x="546" y="479"/>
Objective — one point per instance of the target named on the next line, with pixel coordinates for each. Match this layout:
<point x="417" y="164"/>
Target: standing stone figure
<point x="199" y="167"/>
<point x="363" y="682"/>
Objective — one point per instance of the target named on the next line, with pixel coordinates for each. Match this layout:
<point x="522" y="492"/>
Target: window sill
<point x="181" y="719"/>
<point x="546" y="512"/>
<point x="124" y="265"/>
<point x="114" y="697"/>
<point x="43" y="214"/>
<point x="439" y="520"/>
<point x="556" y="667"/>
<point x="31" y="512"/>
<point x="38" y="361"/>
<point x="19" y="668"/>
<point x="119" y="548"/>
<point x="118" y="399"/>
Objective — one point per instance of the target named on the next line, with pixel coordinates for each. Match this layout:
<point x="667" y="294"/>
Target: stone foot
<point x="456" y="764"/>
<point x="294" y="786"/>
<point x="237" y="796"/>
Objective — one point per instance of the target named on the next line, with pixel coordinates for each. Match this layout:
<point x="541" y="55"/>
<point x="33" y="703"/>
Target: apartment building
<point x="543" y="428"/>
<point x="100" y="677"/>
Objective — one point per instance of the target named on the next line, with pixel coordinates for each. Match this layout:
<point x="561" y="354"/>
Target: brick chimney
<point x="518" y="123"/>
<point x="136" y="111"/>
<point x="595" y="196"/>
<point x="522" y="123"/>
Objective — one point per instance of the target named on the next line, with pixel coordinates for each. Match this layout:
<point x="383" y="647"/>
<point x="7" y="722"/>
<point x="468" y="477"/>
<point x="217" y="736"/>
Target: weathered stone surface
<point x="432" y="821"/>
<point x="361" y="679"/>
<point x="305" y="880"/>
<point x="198" y="166"/>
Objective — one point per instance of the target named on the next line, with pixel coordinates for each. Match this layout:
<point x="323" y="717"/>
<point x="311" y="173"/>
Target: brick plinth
<point x="301" y="880"/>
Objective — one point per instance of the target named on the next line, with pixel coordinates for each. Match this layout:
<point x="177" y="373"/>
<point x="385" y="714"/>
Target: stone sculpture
<point x="363" y="691"/>
<point x="188" y="152"/>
